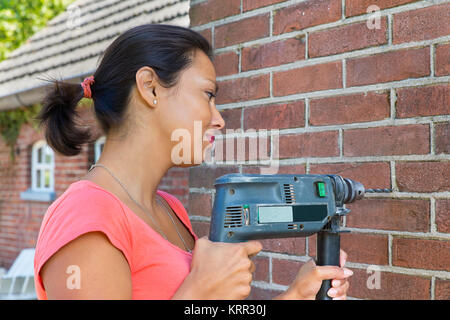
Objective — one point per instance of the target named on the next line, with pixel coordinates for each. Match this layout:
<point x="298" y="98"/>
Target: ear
<point x="146" y="82"/>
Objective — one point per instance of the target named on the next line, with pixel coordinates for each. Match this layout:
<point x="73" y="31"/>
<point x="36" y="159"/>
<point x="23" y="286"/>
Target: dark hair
<point x="168" y="49"/>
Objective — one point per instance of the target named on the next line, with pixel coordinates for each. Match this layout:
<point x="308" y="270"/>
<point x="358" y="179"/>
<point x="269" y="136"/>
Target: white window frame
<point x="35" y="166"/>
<point x="35" y="193"/>
<point x="98" y="147"/>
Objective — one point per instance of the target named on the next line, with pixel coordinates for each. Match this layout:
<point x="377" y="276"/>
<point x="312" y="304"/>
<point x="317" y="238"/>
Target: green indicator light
<point x="321" y="189"/>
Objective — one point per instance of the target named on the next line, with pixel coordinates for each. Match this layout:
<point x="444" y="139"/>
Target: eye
<point x="211" y="95"/>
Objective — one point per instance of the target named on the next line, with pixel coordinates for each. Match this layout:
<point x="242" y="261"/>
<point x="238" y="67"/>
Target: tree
<point x="20" y="19"/>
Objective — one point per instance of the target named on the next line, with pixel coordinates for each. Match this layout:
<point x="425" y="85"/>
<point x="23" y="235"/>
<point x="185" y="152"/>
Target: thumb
<point x="252" y="247"/>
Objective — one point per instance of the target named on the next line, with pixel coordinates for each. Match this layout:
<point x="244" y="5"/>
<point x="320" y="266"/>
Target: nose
<point x="217" y="122"/>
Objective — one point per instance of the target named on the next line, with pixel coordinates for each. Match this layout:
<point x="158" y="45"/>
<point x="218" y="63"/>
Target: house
<point x="68" y="48"/>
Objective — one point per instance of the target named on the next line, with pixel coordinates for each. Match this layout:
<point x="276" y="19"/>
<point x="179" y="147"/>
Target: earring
<point x="154" y="101"/>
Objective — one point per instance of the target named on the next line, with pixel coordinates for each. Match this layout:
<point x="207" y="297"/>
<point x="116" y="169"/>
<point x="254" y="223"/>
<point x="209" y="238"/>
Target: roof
<point x="70" y="46"/>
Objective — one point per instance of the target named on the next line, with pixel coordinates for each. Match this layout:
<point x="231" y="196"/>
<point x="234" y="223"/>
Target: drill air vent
<point x="233" y="217"/>
<point x="289" y="193"/>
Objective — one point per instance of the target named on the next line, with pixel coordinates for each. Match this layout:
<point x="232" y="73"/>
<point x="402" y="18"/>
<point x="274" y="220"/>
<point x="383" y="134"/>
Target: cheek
<point x="193" y="118"/>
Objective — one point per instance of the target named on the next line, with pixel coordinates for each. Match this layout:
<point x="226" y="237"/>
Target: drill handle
<point x="328" y="252"/>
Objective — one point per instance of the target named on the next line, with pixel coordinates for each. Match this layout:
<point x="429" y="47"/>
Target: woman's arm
<point x="101" y="271"/>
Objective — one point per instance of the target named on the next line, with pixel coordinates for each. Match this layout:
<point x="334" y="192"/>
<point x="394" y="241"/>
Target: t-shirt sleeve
<point x="81" y="211"/>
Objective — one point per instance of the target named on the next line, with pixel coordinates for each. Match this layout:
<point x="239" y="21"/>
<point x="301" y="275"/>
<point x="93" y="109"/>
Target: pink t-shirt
<point x="157" y="266"/>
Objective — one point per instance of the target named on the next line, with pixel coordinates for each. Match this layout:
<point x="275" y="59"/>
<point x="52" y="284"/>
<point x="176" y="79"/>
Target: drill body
<point x="253" y="206"/>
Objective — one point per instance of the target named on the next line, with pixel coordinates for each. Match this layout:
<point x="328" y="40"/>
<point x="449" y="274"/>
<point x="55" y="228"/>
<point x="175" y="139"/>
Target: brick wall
<point x="20" y="220"/>
<point x="356" y="94"/>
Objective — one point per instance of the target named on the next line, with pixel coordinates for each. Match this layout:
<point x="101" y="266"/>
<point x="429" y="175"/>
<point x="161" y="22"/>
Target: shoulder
<point x="83" y="208"/>
<point x="86" y="204"/>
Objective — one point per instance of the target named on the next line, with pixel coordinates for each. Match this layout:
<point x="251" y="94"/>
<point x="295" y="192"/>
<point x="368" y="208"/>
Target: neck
<point x="138" y="167"/>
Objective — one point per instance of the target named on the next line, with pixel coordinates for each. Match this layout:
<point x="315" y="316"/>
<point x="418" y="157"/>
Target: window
<point x="99" y="147"/>
<point x="42" y="167"/>
<point x="42" y="173"/>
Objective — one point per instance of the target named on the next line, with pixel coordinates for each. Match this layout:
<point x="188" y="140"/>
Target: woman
<point x="113" y="234"/>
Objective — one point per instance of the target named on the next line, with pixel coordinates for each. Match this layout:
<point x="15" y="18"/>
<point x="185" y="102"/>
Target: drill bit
<point x="378" y="190"/>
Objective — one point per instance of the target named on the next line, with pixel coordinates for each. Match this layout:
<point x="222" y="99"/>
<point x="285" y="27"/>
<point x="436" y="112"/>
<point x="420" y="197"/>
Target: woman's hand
<point x="219" y="271"/>
<point x="309" y="280"/>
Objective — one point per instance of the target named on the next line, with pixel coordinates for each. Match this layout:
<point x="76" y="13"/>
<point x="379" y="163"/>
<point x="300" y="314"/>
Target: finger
<point x="342" y="258"/>
<point x="337" y="283"/>
<point x="344" y="297"/>
<point x="332" y="272"/>
<point x="252" y="247"/>
<point x="339" y="291"/>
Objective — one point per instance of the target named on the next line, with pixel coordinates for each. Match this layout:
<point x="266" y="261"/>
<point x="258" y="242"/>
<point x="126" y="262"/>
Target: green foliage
<point x="20" y="19"/>
<point x="11" y="121"/>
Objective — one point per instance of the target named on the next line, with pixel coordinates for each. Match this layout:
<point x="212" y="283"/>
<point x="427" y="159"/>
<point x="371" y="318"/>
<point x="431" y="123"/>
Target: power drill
<point x="256" y="206"/>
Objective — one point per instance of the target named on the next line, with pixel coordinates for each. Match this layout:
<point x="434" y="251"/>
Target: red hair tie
<point x="86" y="84"/>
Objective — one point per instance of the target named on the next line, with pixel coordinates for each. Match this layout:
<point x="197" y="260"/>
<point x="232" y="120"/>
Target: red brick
<point x="242" y="89"/>
<point x="261" y="269"/>
<point x="442" y="137"/>
<point x="263" y="294"/>
<point x="352" y="108"/>
<point x="389" y="140"/>
<point x="200" y="204"/>
<point x="242" y="30"/>
<point x="241" y="148"/>
<point x="443" y="215"/>
<point x="365" y="248"/>
<point x="393" y="286"/>
<point x="207" y="34"/>
<point x="212" y="10"/>
<point x="273" y="53"/>
<point x="204" y="176"/>
<point x="421" y="253"/>
<point x="388" y="66"/>
<point x="285" y="271"/>
<point x="370" y="174"/>
<point x="226" y="63"/>
<point x="311" y="144"/>
<point x="442" y="289"/>
<point x="294" y="246"/>
<point x="285" y="169"/>
<point x="232" y="118"/>
<point x="306" y="79"/>
<point x="423" y="101"/>
<point x="200" y="228"/>
<point x="356" y="7"/>
<point x="282" y="116"/>
<point x="390" y="214"/>
<point x="442" y="63"/>
<point x="306" y="14"/>
<point x="248" y="5"/>
<point x="346" y="38"/>
<point x="421" y="24"/>
<point x="423" y="176"/>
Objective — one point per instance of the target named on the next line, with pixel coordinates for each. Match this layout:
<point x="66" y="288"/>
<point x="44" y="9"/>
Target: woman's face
<point x="187" y="113"/>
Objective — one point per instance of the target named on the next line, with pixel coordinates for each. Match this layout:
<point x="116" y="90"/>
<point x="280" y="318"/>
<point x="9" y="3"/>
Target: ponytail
<point x="58" y="117"/>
